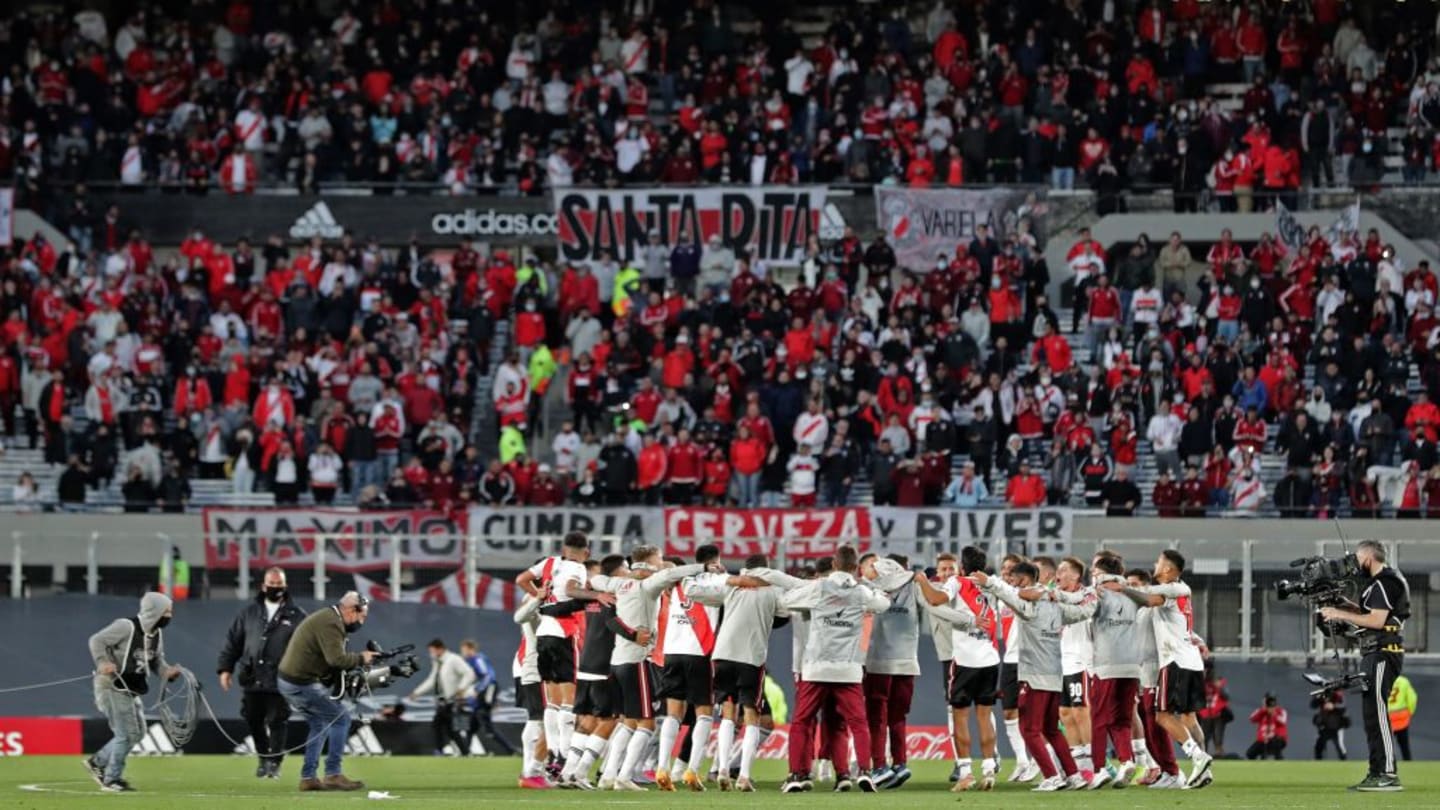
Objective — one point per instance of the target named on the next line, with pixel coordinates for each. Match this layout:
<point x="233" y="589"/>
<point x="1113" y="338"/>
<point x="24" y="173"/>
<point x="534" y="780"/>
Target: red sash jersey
<point x="685" y="463"/>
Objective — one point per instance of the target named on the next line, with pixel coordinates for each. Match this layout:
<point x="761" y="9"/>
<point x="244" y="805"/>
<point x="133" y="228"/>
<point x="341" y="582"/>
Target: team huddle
<point x="625" y="662"/>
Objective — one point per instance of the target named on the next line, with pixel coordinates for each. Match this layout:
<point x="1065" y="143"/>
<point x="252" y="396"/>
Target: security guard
<point x="1384" y="606"/>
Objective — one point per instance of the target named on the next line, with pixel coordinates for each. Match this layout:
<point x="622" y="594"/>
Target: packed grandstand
<point x="1181" y="377"/>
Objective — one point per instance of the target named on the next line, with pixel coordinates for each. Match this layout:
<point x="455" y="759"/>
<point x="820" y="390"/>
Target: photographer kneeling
<point x="1385" y="605"/>
<point x="317" y="655"/>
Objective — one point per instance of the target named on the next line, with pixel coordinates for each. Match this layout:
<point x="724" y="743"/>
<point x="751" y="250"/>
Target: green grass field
<point x="215" y="781"/>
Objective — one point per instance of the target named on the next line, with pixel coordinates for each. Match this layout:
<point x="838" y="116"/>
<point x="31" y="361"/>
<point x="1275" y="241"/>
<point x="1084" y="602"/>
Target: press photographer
<point x="1380" y="619"/>
<point x="317" y="657"/>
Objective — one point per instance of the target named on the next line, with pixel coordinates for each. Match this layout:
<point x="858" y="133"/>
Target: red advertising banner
<point x="353" y="541"/>
<point x="921" y="743"/>
<point x="32" y="736"/>
<point x="808" y="533"/>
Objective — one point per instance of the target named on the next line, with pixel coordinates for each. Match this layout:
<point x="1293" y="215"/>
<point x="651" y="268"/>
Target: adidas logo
<point x="155" y="743"/>
<point x="364" y="743"/>
<point x="318" y="221"/>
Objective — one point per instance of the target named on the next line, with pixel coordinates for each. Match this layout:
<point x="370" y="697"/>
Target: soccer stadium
<point x="640" y="402"/>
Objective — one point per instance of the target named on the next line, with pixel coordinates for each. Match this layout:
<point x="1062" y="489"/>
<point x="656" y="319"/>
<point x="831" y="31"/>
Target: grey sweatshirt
<point x="1039" y="631"/>
<point x="837" y="605"/>
<point x="1146" y="650"/>
<point x="112" y="644"/>
<point x="895" y="634"/>
<point x="1116" y="636"/>
<point x="750" y="615"/>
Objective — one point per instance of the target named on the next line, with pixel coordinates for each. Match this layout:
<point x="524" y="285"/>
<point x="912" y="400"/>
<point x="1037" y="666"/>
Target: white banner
<point x="929" y="531"/>
<point x="514" y="537"/>
<point x="773" y="223"/>
<point x="921" y="223"/>
<point x="352" y="541"/>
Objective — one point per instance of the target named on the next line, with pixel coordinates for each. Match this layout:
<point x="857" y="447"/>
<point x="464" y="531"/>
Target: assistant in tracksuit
<point x="833" y="665"/>
<point x="892" y="663"/>
<point x="1116" y="674"/>
<point x="1041" y="620"/>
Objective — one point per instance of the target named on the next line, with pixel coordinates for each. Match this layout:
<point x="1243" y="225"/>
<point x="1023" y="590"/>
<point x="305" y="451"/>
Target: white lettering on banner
<point x="515" y="537"/>
<point x="808" y="533"/>
<point x="354" y="541"/>
<point x="1033" y="531"/>
<point x="920" y="224"/>
<point x="471" y="222"/>
<point x="773" y="222"/>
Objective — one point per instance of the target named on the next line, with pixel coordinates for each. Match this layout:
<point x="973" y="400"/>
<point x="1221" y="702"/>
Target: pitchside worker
<point x="125" y="652"/>
<point x="252" y="652"/>
<point x="1385" y="605"/>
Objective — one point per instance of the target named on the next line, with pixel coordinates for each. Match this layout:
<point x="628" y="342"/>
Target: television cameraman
<point x="317" y="657"/>
<point x="1384" y="607"/>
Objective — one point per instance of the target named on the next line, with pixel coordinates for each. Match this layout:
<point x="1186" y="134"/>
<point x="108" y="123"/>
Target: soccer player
<point x="751" y="615"/>
<point x="637" y="605"/>
<point x="597" y="697"/>
<point x="833" y="667"/>
<point x="1077" y="655"/>
<point x="1150" y="737"/>
<point x="1116" y="681"/>
<point x="1025" y="768"/>
<point x="974" y="673"/>
<point x="1041" y="621"/>
<point x="940" y="633"/>
<point x="1182" y="667"/>
<point x="528" y="696"/>
<point x="559" y="579"/>
<point x="892" y="663"/>
<point x="687" y="678"/>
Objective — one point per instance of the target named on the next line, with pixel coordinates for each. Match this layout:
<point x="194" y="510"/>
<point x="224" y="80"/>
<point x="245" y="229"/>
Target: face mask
<point x="164" y="620"/>
<point x="274" y="594"/>
<point x="351" y="628"/>
<point x="1255" y="285"/>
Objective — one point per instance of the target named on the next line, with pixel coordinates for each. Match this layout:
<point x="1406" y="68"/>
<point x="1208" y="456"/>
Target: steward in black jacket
<point x="251" y="656"/>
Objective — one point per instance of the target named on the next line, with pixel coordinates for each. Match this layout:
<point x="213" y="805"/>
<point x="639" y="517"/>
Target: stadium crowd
<point x="691" y="373"/>
<point x="228" y="96"/>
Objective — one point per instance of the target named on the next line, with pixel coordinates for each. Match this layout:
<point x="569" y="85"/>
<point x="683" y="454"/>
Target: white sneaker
<point x="1026" y="772"/>
<point x="1076" y="781"/>
<point x="627" y="784"/>
<point x="1101" y="779"/>
<point x="1050" y="784"/>
<point x="605" y="783"/>
<point x="1124" y="776"/>
<point x="581" y="783"/>
<point x="1205" y="779"/>
<point x="1167" y="782"/>
<point x="1199" y="770"/>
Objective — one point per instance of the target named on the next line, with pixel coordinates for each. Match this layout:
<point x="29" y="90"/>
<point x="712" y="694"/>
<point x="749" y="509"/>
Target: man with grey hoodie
<point x="125" y="652"/>
<point x="892" y="662"/>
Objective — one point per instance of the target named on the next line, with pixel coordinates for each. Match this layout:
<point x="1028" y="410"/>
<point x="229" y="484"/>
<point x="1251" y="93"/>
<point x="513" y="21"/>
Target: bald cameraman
<point x="313" y="662"/>
<point x="1384" y="607"/>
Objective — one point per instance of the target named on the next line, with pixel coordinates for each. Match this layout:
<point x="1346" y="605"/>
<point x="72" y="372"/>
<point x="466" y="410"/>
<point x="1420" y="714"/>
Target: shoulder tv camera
<point x="1325" y="582"/>
<point x="386" y="668"/>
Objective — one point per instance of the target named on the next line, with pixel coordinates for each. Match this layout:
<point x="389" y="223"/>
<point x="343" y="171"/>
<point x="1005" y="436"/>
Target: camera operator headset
<point x="1384" y="607"/>
<point x="317" y="656"/>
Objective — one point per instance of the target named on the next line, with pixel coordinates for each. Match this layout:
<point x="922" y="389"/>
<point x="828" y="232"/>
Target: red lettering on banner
<point x="809" y="533"/>
<point x="31" y="736"/>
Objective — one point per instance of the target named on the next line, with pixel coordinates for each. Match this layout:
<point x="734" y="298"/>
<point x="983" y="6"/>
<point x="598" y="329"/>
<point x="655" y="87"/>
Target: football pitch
<point x="191" y="782"/>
